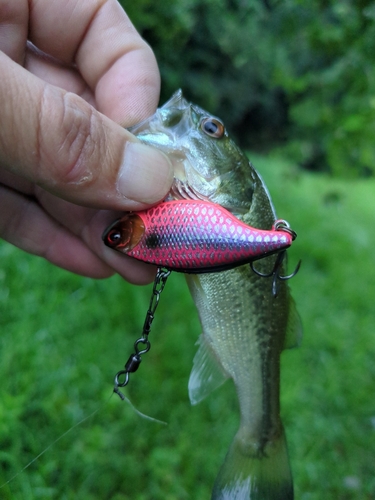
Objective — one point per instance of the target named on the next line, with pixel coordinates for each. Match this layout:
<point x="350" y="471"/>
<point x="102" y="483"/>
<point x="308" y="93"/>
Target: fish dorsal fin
<point x="293" y="335"/>
<point x="207" y="373"/>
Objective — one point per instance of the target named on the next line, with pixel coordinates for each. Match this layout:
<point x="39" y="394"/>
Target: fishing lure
<point x="194" y="236"/>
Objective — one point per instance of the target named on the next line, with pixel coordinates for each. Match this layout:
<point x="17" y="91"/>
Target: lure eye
<point x="114" y="237"/>
<point x="125" y="233"/>
<point x="213" y="127"/>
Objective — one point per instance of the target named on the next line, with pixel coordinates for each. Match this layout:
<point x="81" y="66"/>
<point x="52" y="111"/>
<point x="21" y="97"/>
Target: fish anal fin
<point x="293" y="335"/>
<point x="207" y="373"/>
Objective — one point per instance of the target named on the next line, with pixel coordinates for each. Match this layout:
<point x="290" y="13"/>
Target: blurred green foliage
<point x="63" y="338"/>
<point x="288" y="73"/>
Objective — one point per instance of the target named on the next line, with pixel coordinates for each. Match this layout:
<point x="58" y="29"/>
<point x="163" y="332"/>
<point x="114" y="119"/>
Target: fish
<point x="194" y="236"/>
<point x="244" y="327"/>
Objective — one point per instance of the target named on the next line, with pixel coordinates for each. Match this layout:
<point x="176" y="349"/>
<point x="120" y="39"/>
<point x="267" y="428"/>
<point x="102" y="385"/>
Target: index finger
<point x="98" y="37"/>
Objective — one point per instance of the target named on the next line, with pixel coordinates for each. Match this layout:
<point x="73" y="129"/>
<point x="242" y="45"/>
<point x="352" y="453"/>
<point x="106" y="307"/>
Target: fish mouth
<point x="173" y="126"/>
<point x="168" y="126"/>
<point x="171" y="130"/>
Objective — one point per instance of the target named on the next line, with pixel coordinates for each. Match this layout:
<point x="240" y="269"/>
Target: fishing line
<point x="101" y="407"/>
<point x="140" y="414"/>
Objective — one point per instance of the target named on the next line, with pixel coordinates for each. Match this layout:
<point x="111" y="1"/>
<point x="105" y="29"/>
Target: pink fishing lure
<point x="194" y="236"/>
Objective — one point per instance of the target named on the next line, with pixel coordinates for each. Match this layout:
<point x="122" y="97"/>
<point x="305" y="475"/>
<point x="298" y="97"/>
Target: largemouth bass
<point x="245" y="328"/>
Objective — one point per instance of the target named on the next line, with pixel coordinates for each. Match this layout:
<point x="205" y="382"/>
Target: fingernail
<point x="145" y="175"/>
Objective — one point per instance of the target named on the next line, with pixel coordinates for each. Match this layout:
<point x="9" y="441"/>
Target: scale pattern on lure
<point x="194" y="236"/>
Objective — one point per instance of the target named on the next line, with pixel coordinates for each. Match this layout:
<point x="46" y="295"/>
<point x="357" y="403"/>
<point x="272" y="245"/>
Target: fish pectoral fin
<point x="293" y="335"/>
<point x="207" y="373"/>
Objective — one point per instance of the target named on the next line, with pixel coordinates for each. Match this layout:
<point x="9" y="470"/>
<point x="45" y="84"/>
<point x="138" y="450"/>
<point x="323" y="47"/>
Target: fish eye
<point x="213" y="127"/>
<point x="114" y="237"/>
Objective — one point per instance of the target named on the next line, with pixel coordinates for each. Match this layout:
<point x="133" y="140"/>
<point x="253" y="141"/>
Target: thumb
<point x="57" y="140"/>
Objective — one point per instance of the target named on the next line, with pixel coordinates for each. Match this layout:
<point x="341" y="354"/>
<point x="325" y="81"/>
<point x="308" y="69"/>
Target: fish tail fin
<point x="250" y="474"/>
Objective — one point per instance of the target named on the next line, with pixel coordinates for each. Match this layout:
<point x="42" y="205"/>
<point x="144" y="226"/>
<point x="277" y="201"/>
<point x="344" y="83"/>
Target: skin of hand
<point x="73" y="75"/>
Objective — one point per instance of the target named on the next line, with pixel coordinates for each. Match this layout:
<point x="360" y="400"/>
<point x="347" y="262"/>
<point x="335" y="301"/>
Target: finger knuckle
<point x="68" y="142"/>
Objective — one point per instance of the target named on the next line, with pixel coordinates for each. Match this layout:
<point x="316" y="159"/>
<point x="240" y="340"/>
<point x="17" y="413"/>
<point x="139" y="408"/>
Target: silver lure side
<point x="244" y="327"/>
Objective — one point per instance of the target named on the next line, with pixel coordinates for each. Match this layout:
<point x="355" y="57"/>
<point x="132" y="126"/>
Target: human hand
<point x="67" y="167"/>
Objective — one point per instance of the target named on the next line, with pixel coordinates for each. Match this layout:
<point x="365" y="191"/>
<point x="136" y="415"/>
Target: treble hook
<point x="279" y="225"/>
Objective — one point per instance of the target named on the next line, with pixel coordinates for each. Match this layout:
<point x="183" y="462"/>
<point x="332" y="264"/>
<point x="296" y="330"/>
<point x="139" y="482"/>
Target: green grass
<point x="63" y="337"/>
